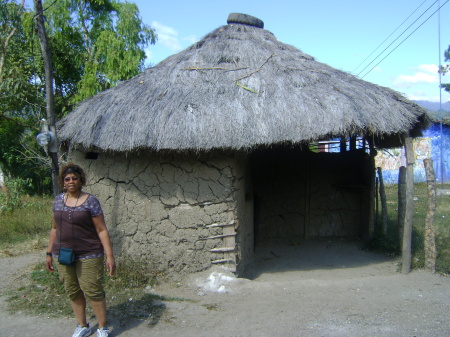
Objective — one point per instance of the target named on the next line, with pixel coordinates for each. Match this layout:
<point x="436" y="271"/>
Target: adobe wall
<point x="162" y="208"/>
<point x="301" y="195"/>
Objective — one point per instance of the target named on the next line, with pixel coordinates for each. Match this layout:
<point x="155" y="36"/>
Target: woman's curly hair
<point x="72" y="168"/>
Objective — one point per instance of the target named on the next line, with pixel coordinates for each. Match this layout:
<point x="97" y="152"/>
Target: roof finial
<point x="245" y="19"/>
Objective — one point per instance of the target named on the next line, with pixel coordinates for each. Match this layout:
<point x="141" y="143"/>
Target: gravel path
<point x="326" y="288"/>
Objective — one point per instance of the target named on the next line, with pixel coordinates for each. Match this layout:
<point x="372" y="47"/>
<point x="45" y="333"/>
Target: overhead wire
<point x="397" y="38"/>
<point x="359" y="65"/>
<point x="405" y="38"/>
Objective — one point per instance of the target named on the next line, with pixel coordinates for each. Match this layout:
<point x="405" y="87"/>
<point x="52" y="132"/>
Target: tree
<point x="17" y="63"/>
<point x="446" y="68"/>
<point x="94" y="45"/>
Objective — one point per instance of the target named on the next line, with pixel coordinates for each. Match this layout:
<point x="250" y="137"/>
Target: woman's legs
<point x="99" y="308"/>
<point x="79" y="309"/>
<point x="69" y="275"/>
<point x="90" y="278"/>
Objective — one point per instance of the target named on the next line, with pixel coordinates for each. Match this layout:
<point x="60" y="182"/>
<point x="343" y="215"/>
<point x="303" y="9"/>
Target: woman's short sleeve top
<point x="75" y="228"/>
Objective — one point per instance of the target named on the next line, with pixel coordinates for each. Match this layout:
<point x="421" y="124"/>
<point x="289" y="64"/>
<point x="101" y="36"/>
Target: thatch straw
<point x="237" y="88"/>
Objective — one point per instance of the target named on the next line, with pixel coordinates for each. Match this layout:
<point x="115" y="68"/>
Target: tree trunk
<point x="430" y="235"/>
<point x="384" y="212"/>
<point x="401" y="202"/>
<point x="50" y="107"/>
<point x="409" y="215"/>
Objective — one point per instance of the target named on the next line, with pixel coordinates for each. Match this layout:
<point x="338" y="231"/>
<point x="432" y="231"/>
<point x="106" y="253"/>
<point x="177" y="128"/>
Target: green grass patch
<point x="390" y="243"/>
<point x="31" y="219"/>
<point x="129" y="294"/>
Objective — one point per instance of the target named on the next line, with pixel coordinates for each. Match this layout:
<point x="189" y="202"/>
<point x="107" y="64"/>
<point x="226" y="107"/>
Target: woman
<point x="78" y="224"/>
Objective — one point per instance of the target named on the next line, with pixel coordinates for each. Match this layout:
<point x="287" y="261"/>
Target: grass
<point x="29" y="221"/>
<point x="129" y="294"/>
<point x="390" y="242"/>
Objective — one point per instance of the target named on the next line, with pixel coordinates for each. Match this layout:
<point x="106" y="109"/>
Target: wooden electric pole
<point x="49" y="94"/>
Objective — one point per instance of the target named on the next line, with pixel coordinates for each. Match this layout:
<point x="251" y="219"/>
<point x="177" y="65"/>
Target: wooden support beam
<point x="222" y="249"/>
<point x="220" y="224"/>
<point x="430" y="233"/>
<point x="219" y="236"/>
<point x="401" y="202"/>
<point x="409" y="214"/>
<point x="222" y="261"/>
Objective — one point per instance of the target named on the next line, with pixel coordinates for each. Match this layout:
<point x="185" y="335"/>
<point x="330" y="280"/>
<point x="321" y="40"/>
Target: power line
<point x="389" y="36"/>
<point x="404" y="39"/>
<point x="396" y="38"/>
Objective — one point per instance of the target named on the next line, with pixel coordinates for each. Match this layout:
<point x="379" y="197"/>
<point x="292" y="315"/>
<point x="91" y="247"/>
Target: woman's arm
<point x="51" y="240"/>
<point x="103" y="234"/>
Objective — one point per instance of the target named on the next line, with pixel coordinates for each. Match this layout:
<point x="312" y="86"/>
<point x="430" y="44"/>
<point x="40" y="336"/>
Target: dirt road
<point x="311" y="289"/>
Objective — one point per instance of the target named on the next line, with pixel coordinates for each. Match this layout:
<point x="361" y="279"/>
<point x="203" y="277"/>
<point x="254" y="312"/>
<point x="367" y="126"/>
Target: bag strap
<point x="71" y="210"/>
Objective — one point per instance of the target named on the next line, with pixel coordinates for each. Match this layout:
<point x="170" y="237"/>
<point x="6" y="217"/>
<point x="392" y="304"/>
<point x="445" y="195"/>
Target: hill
<point x="433" y="108"/>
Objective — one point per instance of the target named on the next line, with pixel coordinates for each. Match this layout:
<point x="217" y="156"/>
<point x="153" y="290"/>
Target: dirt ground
<point x="321" y="288"/>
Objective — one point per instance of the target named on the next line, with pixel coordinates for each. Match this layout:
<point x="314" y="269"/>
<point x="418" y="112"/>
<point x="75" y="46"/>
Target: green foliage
<point x="390" y="243"/>
<point x="17" y="62"/>
<point x="446" y="68"/>
<point x="94" y="45"/>
<point x="18" y="156"/>
<point x="23" y="218"/>
<point x="10" y="199"/>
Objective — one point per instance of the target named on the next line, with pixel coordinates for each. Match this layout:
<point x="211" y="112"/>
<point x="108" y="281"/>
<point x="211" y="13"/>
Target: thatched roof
<point x="237" y="88"/>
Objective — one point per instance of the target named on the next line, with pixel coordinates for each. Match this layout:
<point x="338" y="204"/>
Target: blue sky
<point x="341" y="34"/>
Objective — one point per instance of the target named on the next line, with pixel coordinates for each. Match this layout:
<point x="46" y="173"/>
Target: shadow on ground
<point x="313" y="256"/>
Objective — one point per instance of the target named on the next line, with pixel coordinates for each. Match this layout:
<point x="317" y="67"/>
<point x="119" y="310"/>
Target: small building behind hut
<point x="215" y="151"/>
<point x="434" y="144"/>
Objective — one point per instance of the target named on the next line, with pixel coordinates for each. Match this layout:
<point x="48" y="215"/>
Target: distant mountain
<point x="434" y="106"/>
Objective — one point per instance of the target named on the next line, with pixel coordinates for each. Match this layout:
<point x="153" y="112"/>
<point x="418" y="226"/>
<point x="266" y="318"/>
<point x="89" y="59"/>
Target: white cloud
<point x="424" y="73"/>
<point x="430" y="68"/>
<point x="167" y="36"/>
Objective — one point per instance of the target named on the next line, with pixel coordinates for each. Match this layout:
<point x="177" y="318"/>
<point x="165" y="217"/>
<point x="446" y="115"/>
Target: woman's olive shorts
<point x="85" y="277"/>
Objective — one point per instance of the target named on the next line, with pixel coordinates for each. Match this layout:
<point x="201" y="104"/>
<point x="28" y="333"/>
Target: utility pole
<point x="49" y="94"/>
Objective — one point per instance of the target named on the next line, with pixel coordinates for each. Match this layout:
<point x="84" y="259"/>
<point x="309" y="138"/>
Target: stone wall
<point x="163" y="208"/>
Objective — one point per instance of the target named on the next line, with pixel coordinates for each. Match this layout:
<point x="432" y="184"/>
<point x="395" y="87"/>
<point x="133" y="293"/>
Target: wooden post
<point x="401" y="202"/>
<point x="376" y="227"/>
<point x="373" y="188"/>
<point x="372" y="197"/>
<point x="384" y="212"/>
<point x="430" y="235"/>
<point x="343" y="145"/>
<point x="409" y="214"/>
<point x="49" y="93"/>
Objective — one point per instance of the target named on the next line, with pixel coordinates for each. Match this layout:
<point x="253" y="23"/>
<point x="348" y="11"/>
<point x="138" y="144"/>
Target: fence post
<point x="401" y="202"/>
<point x="409" y="215"/>
<point x="430" y="234"/>
<point x="384" y="211"/>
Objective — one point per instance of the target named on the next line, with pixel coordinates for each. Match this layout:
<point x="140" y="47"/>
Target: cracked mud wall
<point x="160" y="208"/>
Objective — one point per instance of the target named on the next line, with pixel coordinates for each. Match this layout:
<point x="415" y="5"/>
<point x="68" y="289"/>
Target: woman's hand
<point x="49" y="264"/>
<point x="111" y="265"/>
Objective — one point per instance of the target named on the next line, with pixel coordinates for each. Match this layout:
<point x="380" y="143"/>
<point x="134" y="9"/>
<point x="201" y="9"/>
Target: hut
<point x="217" y="150"/>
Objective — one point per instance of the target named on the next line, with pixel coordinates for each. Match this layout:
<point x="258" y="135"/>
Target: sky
<point x="353" y="36"/>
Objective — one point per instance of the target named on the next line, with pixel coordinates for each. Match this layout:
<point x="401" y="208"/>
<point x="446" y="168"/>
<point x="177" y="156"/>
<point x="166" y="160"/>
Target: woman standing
<point x="79" y="228"/>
